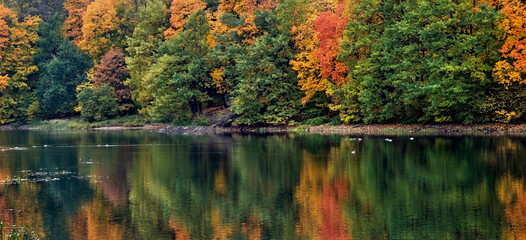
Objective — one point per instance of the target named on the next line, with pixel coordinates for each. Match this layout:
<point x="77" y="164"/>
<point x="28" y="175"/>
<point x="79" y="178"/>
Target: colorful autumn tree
<point x="514" y="48"/>
<point x="17" y="47"/>
<point x="299" y="16"/>
<point x="330" y="25"/>
<point x="112" y="71"/>
<point x="180" y="10"/>
<point x="505" y="102"/>
<point x="73" y="25"/>
<point x="98" y="25"/>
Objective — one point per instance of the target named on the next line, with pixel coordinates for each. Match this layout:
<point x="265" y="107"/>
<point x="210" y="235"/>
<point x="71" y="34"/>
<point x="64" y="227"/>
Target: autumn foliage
<point x="330" y="26"/>
<point x="73" y="24"/>
<point x="180" y="10"/>
<point x="99" y="23"/>
<point x="17" y="40"/>
<point x="112" y="70"/>
<point x="513" y="24"/>
<point x="270" y="61"/>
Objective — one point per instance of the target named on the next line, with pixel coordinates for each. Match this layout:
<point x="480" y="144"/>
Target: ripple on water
<point x="30" y="176"/>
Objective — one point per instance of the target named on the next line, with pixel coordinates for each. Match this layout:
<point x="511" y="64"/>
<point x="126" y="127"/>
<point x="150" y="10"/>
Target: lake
<point x="149" y="185"/>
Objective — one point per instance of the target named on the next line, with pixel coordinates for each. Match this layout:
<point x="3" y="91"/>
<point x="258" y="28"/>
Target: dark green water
<point x="147" y="185"/>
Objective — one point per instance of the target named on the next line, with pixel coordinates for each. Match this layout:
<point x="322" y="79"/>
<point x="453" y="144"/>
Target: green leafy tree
<point x="360" y="52"/>
<point x="97" y="103"/>
<point x="58" y="82"/>
<point x="180" y="76"/>
<point x="268" y="91"/>
<point x="429" y="62"/>
<point x="40" y="8"/>
<point x="50" y="38"/>
<point x="143" y="48"/>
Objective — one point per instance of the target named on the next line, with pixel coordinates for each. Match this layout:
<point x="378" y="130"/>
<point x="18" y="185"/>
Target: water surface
<point x="148" y="185"/>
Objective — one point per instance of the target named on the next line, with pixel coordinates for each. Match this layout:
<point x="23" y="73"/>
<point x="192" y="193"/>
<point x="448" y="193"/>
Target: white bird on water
<point x="388" y="140"/>
<point x="86" y="162"/>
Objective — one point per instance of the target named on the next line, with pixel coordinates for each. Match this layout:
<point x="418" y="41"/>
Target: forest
<point x="265" y="62"/>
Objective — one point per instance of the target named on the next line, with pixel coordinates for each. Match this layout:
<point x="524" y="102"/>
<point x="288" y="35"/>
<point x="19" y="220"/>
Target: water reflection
<point x="147" y="185"/>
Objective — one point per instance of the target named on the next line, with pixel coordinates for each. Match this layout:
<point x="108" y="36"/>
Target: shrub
<point x="97" y="104"/>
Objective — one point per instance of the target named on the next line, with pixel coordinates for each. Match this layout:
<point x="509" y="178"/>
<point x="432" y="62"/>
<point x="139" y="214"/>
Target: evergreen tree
<point x="59" y="80"/>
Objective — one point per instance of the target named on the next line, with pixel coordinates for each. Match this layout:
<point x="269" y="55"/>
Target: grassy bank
<point x="133" y="121"/>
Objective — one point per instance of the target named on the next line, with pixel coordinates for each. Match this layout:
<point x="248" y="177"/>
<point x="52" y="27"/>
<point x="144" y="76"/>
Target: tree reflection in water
<point x="147" y="185"/>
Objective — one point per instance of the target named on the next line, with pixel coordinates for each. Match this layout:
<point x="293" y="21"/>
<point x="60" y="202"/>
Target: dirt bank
<point x="376" y="129"/>
<point x="360" y="129"/>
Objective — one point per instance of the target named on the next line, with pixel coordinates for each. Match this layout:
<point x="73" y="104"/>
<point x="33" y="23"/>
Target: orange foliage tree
<point x="330" y="26"/>
<point x="73" y="23"/>
<point x="301" y="14"/>
<point x="246" y="9"/>
<point x="513" y="67"/>
<point x="180" y="10"/>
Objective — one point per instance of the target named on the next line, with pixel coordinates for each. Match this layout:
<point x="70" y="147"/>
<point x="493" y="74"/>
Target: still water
<point x="148" y="185"/>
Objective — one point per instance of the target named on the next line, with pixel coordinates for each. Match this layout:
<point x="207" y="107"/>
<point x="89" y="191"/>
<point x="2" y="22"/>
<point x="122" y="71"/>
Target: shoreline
<point x="361" y="129"/>
<point x="357" y="129"/>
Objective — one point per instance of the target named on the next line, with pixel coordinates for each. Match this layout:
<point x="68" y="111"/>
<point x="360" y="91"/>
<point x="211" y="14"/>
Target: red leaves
<point x="330" y="26"/>
<point x="112" y="70"/>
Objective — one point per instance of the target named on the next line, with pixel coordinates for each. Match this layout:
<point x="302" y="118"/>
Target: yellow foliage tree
<point x="17" y="41"/>
<point x="304" y="37"/>
<point x="98" y="26"/>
